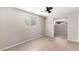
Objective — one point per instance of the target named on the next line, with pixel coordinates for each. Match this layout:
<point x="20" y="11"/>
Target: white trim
<point x="19" y="43"/>
<point x="12" y="46"/>
<point x="74" y="40"/>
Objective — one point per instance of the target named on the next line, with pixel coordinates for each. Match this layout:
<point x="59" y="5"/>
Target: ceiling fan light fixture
<point x="48" y="9"/>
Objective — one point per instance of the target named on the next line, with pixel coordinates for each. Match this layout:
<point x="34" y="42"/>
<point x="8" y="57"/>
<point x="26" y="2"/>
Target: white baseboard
<point x="3" y="49"/>
<point x="73" y="40"/>
<point x="12" y="46"/>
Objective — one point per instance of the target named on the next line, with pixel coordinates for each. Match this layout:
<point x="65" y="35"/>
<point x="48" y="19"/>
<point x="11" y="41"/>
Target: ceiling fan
<point x="48" y="9"/>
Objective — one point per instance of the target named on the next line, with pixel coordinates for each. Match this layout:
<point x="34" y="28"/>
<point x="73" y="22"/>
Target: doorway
<point x="60" y="28"/>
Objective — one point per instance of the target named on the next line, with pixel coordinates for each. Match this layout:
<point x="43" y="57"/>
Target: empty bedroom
<point x="39" y="28"/>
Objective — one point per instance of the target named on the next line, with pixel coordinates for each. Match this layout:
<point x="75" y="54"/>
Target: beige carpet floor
<point x="47" y="44"/>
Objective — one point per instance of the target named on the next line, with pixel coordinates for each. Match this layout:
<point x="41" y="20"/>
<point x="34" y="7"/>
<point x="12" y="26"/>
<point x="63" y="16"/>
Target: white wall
<point x="13" y="29"/>
<point x="72" y="24"/>
<point x="72" y="20"/>
<point x="50" y="26"/>
<point x="78" y="28"/>
<point x="72" y="17"/>
<point x="72" y="27"/>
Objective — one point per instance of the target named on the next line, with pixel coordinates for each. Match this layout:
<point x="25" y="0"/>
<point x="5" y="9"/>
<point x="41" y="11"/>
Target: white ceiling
<point x="63" y="11"/>
<point x="37" y="10"/>
<point x="57" y="11"/>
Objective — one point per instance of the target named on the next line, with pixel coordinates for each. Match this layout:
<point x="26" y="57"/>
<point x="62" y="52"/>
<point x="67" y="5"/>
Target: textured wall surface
<point x="13" y="29"/>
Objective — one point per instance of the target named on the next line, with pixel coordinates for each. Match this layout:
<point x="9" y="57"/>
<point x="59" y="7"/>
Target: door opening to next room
<point x="60" y="28"/>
